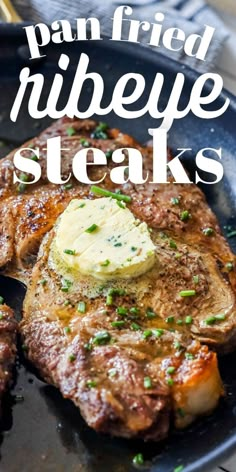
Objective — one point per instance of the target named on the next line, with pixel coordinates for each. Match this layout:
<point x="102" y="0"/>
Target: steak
<point x="8" y="330"/>
<point x="127" y="380"/>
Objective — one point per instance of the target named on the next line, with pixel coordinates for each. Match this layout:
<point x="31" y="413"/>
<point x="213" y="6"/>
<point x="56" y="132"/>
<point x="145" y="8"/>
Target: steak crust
<point x="120" y="403"/>
<point x="8" y="330"/>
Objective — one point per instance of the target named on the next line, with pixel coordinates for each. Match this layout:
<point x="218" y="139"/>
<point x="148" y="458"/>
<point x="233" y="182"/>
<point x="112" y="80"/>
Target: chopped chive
<point x="220" y="317"/>
<point x="170" y="370"/>
<point x="158" y="332"/>
<point x="170" y="319"/>
<point x="150" y="314"/>
<point x="1" y="315"/>
<point x="21" y="188"/>
<point x="91" y="228"/>
<point x="81" y="307"/>
<point x="67" y="330"/>
<point x="179" y="468"/>
<point x="109" y="300"/>
<point x="109" y="153"/>
<point x="135" y="327"/>
<point x="196" y="279"/>
<point x="67" y="186"/>
<point x="181" y="412"/>
<point x="71" y="252"/>
<point x="179" y="322"/>
<point x="147" y="333"/>
<point x="1" y="300"/>
<point x="229" y="266"/>
<point x="91" y="383"/>
<point x="70" y="131"/>
<point x="133" y="248"/>
<point x="66" y="284"/>
<point x="170" y="382"/>
<point x="210" y="320"/>
<point x="188" y="319"/>
<point x="84" y="142"/>
<point x="208" y="231"/>
<point x="231" y="234"/>
<point x="177" y="345"/>
<point x="121" y="204"/>
<point x="101" y="338"/>
<point x="117" y="324"/>
<point x="82" y="205"/>
<point x="43" y="282"/>
<point x="187" y="293"/>
<point x="118" y="245"/>
<point x="138" y="459"/>
<point x="67" y="302"/>
<point x="107" y="193"/>
<point x="24" y="348"/>
<point x="147" y="383"/>
<point x="189" y="356"/>
<point x="185" y="215"/>
<point x="105" y="263"/>
<point x="172" y="244"/>
<point x="121" y="310"/>
<point x="134" y="310"/>
<point x="117" y="291"/>
<point x="72" y="357"/>
<point x="178" y="255"/>
<point x="174" y="201"/>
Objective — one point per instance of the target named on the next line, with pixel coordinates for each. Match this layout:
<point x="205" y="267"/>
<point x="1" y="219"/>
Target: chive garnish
<point x="134" y="310"/>
<point x="72" y="357"/>
<point x="118" y="245"/>
<point x="121" y="204"/>
<point x="82" y="205"/>
<point x="91" y="383"/>
<point x="105" y="263"/>
<point x="231" y="234"/>
<point x="84" y="142"/>
<point x="70" y="131"/>
<point x="1" y="300"/>
<point x="150" y="314"/>
<point x="91" y="228"/>
<point x="138" y="459"/>
<point x="170" y="319"/>
<point x="185" y="215"/>
<point x="177" y="345"/>
<point x="187" y="293"/>
<point x="179" y="468"/>
<point x="109" y="300"/>
<point x="21" y="188"/>
<point x="71" y="252"/>
<point x="133" y="248"/>
<point x="229" y="266"/>
<point x="170" y="382"/>
<point x="117" y="324"/>
<point x="170" y="370"/>
<point x="135" y="327"/>
<point x="67" y="186"/>
<point x="117" y="291"/>
<point x="81" y="307"/>
<point x="158" y="332"/>
<point x="172" y="244"/>
<point x="208" y="231"/>
<point x="147" y="383"/>
<point x="189" y="356"/>
<point x="101" y="338"/>
<point x="67" y="329"/>
<point x="109" y="154"/>
<point x="107" y="193"/>
<point x="43" y="282"/>
<point x="196" y="279"/>
<point x="179" y="322"/>
<point x="174" y="201"/>
<point x="188" y="319"/>
<point x="147" y="333"/>
<point x="121" y="310"/>
<point x="66" y="284"/>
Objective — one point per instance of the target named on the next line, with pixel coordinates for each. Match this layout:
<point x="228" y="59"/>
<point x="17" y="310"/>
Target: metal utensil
<point x="8" y="12"/>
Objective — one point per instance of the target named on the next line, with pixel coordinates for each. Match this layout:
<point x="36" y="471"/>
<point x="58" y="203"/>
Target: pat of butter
<point x="99" y="238"/>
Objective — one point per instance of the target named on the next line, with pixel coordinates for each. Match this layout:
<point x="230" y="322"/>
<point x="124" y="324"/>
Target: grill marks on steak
<point x="8" y="330"/>
<point x="121" y="404"/>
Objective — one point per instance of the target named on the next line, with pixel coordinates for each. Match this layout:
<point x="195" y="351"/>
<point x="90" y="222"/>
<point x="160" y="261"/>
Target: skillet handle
<point x="9" y="13"/>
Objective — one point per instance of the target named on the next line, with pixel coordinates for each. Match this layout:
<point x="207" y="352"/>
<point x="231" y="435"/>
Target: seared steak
<point x="8" y="329"/>
<point x="126" y="378"/>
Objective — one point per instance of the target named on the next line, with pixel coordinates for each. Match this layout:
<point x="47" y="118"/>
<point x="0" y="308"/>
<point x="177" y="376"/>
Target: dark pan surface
<point x="42" y="432"/>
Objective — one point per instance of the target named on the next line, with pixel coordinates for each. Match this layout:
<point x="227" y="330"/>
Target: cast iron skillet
<point x="42" y="432"/>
